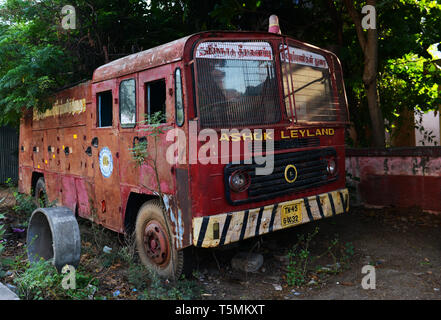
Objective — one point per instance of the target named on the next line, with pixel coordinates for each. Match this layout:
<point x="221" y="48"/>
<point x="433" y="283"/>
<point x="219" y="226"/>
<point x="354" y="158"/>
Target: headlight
<point x="239" y="181"/>
<point x="332" y="167"/>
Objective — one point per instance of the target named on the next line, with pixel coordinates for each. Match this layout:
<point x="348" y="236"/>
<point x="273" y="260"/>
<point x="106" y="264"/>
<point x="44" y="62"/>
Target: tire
<point x="40" y="193"/>
<point x="151" y="231"/>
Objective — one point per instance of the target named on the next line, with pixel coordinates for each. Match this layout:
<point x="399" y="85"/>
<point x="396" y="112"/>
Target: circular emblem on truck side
<point x="290" y="173"/>
<point x="106" y="162"/>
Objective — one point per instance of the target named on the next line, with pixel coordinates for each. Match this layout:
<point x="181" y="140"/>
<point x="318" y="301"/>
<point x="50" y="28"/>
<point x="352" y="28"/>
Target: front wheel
<point x="155" y="249"/>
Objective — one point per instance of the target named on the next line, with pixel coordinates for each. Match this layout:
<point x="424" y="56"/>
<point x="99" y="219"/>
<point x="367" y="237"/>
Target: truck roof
<point x="160" y="55"/>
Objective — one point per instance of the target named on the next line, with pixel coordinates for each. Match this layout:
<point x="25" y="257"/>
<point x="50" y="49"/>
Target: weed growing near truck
<point x="144" y="283"/>
<point x="301" y="262"/>
<point x="41" y="281"/>
<point x="26" y="204"/>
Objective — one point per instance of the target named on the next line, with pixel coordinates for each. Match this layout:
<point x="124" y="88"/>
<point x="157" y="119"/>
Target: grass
<point x="100" y="276"/>
<point x="304" y="266"/>
<point x="41" y="281"/>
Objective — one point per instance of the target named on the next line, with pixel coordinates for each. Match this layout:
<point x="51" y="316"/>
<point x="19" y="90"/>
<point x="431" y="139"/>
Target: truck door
<point x="155" y="87"/>
<point x="105" y="149"/>
<point x="128" y="134"/>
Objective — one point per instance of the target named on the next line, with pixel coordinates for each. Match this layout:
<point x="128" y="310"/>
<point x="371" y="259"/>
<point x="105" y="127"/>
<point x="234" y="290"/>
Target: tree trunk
<point x="376" y="116"/>
<point x="369" y="45"/>
<point x="106" y="54"/>
<point x="370" y="83"/>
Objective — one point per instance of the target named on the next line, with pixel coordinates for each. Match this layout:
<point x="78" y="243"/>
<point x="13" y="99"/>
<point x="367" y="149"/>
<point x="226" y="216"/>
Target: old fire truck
<point x="78" y="152"/>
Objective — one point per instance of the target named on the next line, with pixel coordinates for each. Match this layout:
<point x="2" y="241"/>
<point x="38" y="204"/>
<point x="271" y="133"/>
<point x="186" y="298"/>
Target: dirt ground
<point x="404" y="245"/>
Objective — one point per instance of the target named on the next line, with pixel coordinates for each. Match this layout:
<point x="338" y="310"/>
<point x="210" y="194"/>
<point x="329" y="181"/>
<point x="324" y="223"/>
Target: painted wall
<point x="400" y="177"/>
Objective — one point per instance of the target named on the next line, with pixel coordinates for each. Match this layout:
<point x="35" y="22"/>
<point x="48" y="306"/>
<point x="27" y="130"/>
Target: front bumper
<point x="221" y="229"/>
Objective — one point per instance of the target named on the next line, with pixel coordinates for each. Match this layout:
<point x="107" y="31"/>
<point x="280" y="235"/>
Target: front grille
<point x="311" y="173"/>
<point x="286" y="144"/>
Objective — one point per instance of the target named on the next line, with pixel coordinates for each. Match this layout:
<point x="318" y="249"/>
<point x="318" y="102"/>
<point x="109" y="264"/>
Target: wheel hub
<point x="156" y="244"/>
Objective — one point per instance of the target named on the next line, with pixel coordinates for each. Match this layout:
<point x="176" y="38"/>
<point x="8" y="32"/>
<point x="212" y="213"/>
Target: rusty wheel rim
<point x="156" y="244"/>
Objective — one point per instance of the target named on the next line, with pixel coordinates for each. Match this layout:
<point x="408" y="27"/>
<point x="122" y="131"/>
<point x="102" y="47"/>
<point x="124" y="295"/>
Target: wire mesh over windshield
<point x="307" y="86"/>
<point x="236" y="84"/>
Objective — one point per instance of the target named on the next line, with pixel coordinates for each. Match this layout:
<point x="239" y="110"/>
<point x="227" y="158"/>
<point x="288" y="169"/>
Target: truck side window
<point x="105" y="109"/>
<point x="155" y="98"/>
<point x="127" y="103"/>
<point x="179" y="103"/>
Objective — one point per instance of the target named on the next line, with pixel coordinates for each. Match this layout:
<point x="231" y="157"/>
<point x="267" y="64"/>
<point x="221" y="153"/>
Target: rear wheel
<point x="40" y="193"/>
<point x="155" y="249"/>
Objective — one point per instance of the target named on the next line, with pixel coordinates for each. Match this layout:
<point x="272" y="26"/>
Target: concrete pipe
<point x="53" y="233"/>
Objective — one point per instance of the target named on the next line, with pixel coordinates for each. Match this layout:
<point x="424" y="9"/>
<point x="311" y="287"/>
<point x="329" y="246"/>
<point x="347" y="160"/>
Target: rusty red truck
<point x="273" y="95"/>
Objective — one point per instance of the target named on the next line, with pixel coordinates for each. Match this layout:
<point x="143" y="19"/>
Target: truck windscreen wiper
<point x="309" y="83"/>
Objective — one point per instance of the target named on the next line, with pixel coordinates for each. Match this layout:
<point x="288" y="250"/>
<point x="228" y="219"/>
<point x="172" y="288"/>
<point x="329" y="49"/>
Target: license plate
<point x="291" y="214"/>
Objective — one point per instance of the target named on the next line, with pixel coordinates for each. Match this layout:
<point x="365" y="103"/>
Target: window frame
<point x="98" y="105"/>
<point x="179" y="124"/>
<point x="333" y="85"/>
<point x="147" y="98"/>
<point x="275" y="61"/>
<point x="127" y="126"/>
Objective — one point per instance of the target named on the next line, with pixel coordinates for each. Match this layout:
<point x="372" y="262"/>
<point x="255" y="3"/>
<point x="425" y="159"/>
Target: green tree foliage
<point x="38" y="56"/>
<point x="409" y="83"/>
<point x="407" y="79"/>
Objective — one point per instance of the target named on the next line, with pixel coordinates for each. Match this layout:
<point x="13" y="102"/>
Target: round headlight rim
<point x="246" y="184"/>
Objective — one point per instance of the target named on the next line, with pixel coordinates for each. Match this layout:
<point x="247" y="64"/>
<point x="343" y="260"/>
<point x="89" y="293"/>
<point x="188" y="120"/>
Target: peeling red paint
<point x="68" y="192"/>
<point x="83" y="190"/>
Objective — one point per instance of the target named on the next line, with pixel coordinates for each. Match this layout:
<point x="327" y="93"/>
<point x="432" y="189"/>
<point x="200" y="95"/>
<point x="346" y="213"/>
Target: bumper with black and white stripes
<point x="225" y="228"/>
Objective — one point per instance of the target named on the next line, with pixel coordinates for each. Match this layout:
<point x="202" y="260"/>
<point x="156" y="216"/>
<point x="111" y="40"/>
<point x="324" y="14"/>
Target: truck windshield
<point x="236" y="84"/>
<point x="307" y="85"/>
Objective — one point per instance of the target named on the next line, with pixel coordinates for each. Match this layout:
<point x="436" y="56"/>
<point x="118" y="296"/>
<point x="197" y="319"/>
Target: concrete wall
<point x="400" y="177"/>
